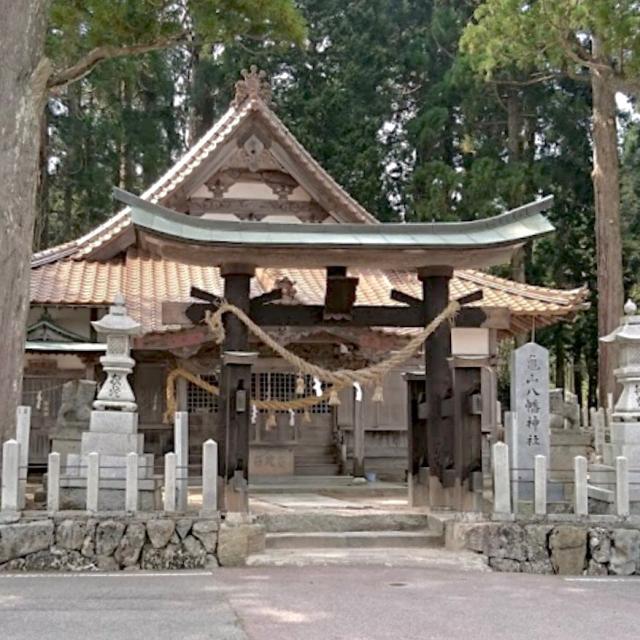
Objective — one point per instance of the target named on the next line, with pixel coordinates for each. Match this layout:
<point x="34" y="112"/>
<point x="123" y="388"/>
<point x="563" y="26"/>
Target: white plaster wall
<point x="257" y="190"/>
<point x="470" y="342"/>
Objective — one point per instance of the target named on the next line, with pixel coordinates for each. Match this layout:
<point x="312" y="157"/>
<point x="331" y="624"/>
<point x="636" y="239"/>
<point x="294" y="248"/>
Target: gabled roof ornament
<point x="253" y="86"/>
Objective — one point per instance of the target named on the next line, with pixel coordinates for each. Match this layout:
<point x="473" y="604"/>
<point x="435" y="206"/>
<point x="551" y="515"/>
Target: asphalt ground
<point x="317" y="603"/>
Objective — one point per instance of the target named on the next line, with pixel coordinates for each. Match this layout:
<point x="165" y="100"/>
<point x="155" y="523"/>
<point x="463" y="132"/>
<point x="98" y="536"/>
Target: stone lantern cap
<point x="117" y="321"/>
<point x="629" y="329"/>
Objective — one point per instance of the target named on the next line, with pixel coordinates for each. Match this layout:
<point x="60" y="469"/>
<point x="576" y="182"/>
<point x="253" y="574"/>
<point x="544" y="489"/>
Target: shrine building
<point x="248" y="217"/>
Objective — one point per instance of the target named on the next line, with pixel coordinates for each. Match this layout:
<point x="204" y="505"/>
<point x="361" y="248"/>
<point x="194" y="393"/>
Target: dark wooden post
<point x="235" y="391"/>
<point x="439" y="380"/>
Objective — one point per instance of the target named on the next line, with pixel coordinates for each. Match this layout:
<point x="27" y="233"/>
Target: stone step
<point x="323" y="469"/>
<point x="331" y="521"/>
<point x="354" y="539"/>
<point x="306" y="481"/>
<point x="437" y="559"/>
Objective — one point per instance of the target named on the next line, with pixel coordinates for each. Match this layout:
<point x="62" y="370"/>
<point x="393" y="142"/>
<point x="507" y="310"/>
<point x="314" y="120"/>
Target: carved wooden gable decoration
<point x="260" y="172"/>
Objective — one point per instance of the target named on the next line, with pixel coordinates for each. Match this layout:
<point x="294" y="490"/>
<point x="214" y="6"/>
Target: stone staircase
<point x="391" y="538"/>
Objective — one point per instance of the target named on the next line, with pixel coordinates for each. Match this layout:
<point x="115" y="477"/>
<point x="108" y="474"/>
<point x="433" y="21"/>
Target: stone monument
<point x="73" y="417"/>
<point x="527" y="430"/>
<point x="625" y="419"/>
<point x="113" y="426"/>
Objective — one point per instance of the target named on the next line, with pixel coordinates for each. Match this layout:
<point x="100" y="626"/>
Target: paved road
<point x="317" y="603"/>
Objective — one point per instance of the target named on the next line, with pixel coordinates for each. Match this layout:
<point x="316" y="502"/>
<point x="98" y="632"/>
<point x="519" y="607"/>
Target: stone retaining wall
<point x="568" y="546"/>
<point x="78" y="542"/>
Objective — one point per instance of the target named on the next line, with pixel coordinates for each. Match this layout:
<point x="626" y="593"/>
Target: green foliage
<point x="77" y="26"/>
<point x="553" y="35"/>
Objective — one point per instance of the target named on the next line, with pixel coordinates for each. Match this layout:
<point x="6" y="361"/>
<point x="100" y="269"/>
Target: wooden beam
<point x="279" y="315"/>
<point x="256" y="208"/>
<point x="405" y="298"/>
<point x="207" y="296"/>
<point x="412" y="301"/>
<point x="340" y="294"/>
<point x="267" y="176"/>
<point x="474" y="296"/>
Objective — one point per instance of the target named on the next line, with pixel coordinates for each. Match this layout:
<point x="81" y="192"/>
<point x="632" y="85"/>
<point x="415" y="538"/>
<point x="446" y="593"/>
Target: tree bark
<point x="515" y="144"/>
<point x="23" y="78"/>
<point x="607" y="209"/>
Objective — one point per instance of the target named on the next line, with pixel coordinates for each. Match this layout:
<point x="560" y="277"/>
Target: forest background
<point x="382" y="96"/>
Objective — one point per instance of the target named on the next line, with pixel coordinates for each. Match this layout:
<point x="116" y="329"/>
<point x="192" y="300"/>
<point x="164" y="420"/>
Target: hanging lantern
<point x="334" y="401"/>
<point x="300" y="386"/>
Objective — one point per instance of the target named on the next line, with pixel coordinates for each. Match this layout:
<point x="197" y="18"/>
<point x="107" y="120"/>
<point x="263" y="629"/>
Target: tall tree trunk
<point x="23" y="76"/>
<point x="607" y="207"/>
<point x="515" y="144"/>
<point x="41" y="233"/>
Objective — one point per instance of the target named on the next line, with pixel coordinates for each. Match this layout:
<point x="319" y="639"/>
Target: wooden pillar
<point x="439" y="383"/>
<point x="235" y="391"/>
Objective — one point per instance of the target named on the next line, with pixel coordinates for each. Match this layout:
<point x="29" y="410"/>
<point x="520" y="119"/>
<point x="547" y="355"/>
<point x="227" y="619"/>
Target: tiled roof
<point x="147" y="282"/>
<point x="167" y="184"/>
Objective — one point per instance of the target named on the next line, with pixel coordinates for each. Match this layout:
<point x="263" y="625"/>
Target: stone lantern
<point x="113" y="426"/>
<point x="118" y="328"/>
<point x="626" y="339"/>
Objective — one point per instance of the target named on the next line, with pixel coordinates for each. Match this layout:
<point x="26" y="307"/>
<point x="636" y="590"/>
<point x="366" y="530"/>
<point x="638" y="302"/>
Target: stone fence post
<point x="501" y="480"/>
<point x="53" y="482"/>
<point x="93" y="481"/>
<point x="10" y="476"/>
<point x="170" y="482"/>
<point x="209" y="477"/>
<point x="540" y="485"/>
<point x="622" y="486"/>
<point x="23" y="427"/>
<point x="181" y="448"/>
<point x="580" y="490"/>
<point x="131" y="487"/>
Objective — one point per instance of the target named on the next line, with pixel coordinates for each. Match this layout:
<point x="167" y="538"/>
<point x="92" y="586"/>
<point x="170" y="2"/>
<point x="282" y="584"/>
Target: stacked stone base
<point x="112" y="434"/>
<point x="597" y="546"/>
<point x="75" y="542"/>
<point x="73" y="494"/>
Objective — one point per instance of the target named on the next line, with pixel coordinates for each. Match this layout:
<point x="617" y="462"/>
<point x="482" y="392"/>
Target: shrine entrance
<point x="443" y="451"/>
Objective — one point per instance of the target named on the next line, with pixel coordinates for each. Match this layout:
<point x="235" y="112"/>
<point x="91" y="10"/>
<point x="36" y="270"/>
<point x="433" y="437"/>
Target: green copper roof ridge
<point x="520" y="224"/>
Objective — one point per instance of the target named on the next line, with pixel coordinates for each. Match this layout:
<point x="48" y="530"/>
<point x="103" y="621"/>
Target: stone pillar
<point x="170" y="482"/>
<point x="23" y="428"/>
<point x="443" y="438"/>
<point x="235" y="391"/>
<point x="527" y="431"/>
<point x="622" y="486"/>
<point x="131" y="491"/>
<point x="93" y="482"/>
<point x="10" y="476"/>
<point x="53" y="482"/>
<point x="540" y="485"/>
<point x="209" y="478"/>
<point x="501" y="482"/>
<point x="358" y="434"/>
<point x="181" y="449"/>
<point x="580" y="490"/>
